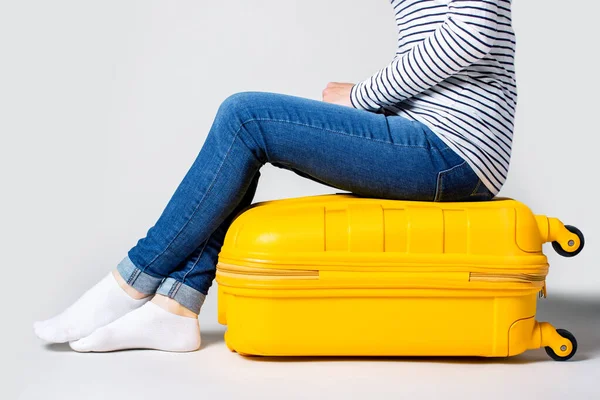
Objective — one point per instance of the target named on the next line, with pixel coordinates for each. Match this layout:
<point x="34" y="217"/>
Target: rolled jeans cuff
<point x="185" y="295"/>
<point x="136" y="278"/>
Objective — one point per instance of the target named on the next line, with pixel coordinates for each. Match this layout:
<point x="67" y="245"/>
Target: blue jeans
<point x="369" y="154"/>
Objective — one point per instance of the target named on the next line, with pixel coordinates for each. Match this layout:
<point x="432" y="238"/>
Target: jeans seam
<point x="134" y="276"/>
<point x="428" y="132"/>
<point x="210" y="186"/>
<point x="190" y="285"/>
<point x="388" y="129"/>
<point x="332" y="131"/>
<point x="255" y="143"/>
<point x="440" y="178"/>
<point x="174" y="289"/>
<point x="197" y="260"/>
<point x="476" y="187"/>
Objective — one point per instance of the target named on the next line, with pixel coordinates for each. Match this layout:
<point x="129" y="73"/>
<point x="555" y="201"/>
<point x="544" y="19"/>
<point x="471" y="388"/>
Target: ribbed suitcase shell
<point x="347" y="275"/>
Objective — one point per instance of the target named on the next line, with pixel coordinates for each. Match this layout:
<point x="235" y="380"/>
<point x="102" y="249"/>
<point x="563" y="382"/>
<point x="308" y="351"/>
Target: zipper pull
<point x="543" y="292"/>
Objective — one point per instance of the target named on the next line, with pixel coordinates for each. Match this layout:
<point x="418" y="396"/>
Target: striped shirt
<point x="454" y="72"/>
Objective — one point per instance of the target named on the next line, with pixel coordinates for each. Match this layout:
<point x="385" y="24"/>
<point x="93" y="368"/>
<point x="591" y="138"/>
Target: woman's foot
<point x="105" y="302"/>
<point x="149" y="327"/>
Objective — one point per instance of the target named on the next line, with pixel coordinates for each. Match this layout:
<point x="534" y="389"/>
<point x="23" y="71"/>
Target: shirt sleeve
<point x="466" y="36"/>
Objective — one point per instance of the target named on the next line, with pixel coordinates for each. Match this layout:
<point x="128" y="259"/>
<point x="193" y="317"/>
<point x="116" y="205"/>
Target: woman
<point x="435" y="125"/>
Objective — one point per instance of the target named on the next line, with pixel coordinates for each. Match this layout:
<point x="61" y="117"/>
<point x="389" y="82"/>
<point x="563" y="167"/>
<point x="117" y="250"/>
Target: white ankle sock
<point x="149" y="327"/>
<point x="103" y="303"/>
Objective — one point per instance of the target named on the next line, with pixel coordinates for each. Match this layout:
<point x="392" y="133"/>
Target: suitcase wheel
<point x="573" y="252"/>
<point x="569" y="336"/>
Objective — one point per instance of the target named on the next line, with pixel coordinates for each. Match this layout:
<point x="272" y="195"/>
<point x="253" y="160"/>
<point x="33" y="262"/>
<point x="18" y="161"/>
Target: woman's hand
<point x="338" y="93"/>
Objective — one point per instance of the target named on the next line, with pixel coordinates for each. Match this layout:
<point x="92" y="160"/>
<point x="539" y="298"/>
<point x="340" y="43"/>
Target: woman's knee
<point x="240" y="104"/>
<point x="236" y="119"/>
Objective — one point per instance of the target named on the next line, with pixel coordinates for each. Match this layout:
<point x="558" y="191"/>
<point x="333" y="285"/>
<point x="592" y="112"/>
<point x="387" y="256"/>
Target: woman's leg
<point x="188" y="284"/>
<point x="179" y="297"/>
<point x="362" y="152"/>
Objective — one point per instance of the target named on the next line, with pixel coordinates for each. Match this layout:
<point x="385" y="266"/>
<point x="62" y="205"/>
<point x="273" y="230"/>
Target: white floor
<point x="38" y="371"/>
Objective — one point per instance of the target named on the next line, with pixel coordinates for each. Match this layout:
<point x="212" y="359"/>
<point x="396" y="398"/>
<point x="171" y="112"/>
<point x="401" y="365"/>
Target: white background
<point x="105" y="105"/>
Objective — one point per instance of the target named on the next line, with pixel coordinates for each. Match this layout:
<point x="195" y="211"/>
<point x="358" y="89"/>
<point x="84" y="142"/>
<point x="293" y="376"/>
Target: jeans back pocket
<point x="461" y="183"/>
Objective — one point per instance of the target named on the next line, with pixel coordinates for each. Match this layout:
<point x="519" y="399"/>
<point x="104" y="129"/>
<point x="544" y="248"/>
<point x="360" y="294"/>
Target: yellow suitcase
<point x="344" y="275"/>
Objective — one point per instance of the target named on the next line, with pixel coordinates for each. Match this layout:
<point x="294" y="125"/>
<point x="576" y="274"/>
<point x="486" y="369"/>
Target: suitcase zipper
<point x="243" y="272"/>
<point x="237" y="271"/>
<point x="520" y="278"/>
